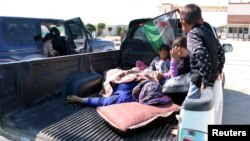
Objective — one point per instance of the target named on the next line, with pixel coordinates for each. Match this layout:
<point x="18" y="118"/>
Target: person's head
<point x="190" y="15"/>
<point x="48" y="37"/>
<point x="164" y="52"/>
<point x="181" y="43"/>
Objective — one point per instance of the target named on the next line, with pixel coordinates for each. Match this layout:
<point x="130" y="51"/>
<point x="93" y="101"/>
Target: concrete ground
<point x="3" y="138"/>
<point x="237" y="89"/>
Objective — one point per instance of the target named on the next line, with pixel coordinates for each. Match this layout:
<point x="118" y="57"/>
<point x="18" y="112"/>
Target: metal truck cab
<point x="22" y="38"/>
<point x="19" y="37"/>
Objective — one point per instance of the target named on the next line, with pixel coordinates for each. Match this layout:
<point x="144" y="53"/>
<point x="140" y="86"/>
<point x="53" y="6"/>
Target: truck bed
<point x="32" y="101"/>
<point x="72" y="122"/>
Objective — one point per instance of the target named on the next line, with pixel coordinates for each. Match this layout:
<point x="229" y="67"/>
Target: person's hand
<point x="158" y="76"/>
<point x="219" y="76"/>
<point x="174" y="53"/>
<point x="203" y="87"/>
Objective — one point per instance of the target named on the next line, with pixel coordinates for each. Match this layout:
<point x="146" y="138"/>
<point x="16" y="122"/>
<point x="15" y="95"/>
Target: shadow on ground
<point x="236" y="107"/>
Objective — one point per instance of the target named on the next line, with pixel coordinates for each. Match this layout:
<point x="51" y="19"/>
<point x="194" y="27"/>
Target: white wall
<point x="216" y="19"/>
<point x="239" y="9"/>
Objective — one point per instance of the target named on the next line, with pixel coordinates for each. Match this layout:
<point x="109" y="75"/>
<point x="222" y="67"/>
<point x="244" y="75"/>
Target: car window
<point x="21" y="30"/>
<point x="76" y="30"/>
<point x="45" y="30"/>
<point x="140" y="35"/>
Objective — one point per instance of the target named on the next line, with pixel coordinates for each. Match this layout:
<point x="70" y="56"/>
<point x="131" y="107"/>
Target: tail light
<point x="191" y="135"/>
<point x="185" y="139"/>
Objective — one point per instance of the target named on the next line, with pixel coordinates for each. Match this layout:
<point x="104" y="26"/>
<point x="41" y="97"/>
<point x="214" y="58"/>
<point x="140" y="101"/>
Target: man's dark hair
<point x="180" y="42"/>
<point x="191" y="14"/>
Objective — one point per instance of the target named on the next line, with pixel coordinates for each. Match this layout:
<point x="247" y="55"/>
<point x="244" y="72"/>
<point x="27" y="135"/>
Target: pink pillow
<point x="133" y="115"/>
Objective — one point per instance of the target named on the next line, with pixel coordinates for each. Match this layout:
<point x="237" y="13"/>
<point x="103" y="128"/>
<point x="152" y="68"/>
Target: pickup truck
<point x="21" y="38"/>
<point x="33" y="92"/>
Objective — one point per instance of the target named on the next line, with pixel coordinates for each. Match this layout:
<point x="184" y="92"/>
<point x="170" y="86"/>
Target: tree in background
<point x="91" y="27"/>
<point x="119" y="29"/>
<point x="110" y="30"/>
<point x="100" y="27"/>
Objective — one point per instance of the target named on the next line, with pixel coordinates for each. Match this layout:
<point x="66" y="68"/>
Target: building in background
<point x="215" y="14"/>
<point x="238" y="20"/>
<point x="114" y="30"/>
<point x="166" y="7"/>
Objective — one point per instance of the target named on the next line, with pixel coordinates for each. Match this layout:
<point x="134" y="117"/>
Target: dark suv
<point x="21" y="38"/>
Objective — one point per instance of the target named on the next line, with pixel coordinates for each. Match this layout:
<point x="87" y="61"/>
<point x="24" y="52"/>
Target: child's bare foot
<point x="74" y="99"/>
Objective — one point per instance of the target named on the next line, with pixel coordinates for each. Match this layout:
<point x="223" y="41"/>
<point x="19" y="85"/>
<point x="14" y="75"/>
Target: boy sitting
<point x="204" y="52"/>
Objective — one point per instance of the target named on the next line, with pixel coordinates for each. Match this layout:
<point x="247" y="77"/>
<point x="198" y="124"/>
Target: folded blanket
<point x="118" y="76"/>
<point x="149" y="92"/>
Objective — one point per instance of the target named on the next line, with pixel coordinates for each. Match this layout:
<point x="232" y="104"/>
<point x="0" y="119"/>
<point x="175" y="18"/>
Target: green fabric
<point x="153" y="35"/>
<point x="161" y="30"/>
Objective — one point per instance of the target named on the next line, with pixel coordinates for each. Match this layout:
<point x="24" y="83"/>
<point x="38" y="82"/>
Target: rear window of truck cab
<point x="140" y="34"/>
<point x="21" y="30"/>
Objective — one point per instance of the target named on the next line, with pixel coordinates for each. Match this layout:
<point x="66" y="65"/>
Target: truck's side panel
<point x="45" y="77"/>
<point x="101" y="62"/>
<point x="8" y="89"/>
<point x="26" y="83"/>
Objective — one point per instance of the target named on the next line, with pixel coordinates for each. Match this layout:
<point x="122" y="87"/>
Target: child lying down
<point x="147" y="91"/>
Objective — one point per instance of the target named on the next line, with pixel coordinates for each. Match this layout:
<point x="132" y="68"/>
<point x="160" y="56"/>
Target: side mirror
<point x="227" y="47"/>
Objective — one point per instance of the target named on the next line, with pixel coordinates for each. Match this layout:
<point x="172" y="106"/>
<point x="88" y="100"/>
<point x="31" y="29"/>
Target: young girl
<point x="161" y="63"/>
<point x="47" y="46"/>
<point x="180" y="63"/>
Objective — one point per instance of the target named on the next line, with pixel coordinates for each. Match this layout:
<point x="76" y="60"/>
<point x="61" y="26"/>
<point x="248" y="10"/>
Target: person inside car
<point x="48" y="47"/>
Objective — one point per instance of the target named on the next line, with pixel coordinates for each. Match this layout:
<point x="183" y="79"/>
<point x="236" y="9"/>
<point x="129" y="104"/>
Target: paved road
<point x="237" y="86"/>
<point x="3" y="139"/>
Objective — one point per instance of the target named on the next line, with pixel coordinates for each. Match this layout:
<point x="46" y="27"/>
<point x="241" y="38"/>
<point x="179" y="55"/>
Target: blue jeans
<point x="194" y="92"/>
<point x="162" y="67"/>
<point x="163" y="81"/>
<point x="121" y="94"/>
